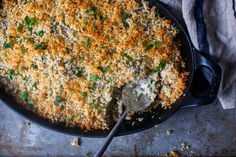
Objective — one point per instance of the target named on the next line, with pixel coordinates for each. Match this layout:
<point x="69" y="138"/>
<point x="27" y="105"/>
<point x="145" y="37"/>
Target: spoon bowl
<point x="134" y="98"/>
<point x="131" y="100"/>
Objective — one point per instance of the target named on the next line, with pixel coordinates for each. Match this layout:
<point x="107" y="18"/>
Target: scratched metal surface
<point x="208" y="130"/>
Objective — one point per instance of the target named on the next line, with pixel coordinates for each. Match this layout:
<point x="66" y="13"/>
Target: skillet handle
<point x="214" y="83"/>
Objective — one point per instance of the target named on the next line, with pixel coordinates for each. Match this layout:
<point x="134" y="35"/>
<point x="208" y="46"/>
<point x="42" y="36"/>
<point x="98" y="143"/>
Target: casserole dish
<point x="194" y="61"/>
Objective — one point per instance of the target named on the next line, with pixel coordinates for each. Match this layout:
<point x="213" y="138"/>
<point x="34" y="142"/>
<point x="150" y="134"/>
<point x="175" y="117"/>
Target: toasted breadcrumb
<point x="63" y="60"/>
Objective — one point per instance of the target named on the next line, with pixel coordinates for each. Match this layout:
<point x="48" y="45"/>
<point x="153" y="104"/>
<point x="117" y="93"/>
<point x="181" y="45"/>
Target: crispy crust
<point x="69" y="72"/>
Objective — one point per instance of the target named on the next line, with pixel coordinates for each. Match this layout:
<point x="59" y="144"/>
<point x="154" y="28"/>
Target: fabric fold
<point x="221" y="35"/>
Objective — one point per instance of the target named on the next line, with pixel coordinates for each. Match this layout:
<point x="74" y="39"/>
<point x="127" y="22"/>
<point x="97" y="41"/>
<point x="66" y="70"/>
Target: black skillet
<point x="194" y="59"/>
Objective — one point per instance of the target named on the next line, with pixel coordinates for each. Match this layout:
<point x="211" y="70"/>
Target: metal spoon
<point x="132" y="103"/>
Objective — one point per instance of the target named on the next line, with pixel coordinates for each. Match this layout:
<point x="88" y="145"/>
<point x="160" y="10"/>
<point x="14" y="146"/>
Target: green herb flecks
<point x="40" y="46"/>
<point x="8" y="45"/>
<point x="34" y="66"/>
<point x="87" y="41"/>
<point x="11" y="73"/>
<point x="156" y="43"/>
<point x="29" y="22"/>
<point x="23" y="50"/>
<point x="94" y="78"/>
<point x="103" y="69"/>
<point x="125" y="15"/>
<point x="147" y="45"/>
<point x="31" y="40"/>
<point x="87" y="11"/>
<point x="11" y="36"/>
<point x="20" y="28"/>
<point x="109" y="79"/>
<point x="84" y="94"/>
<point x="24" y="1"/>
<point x="91" y="88"/>
<point x="70" y="61"/>
<point x="19" y="40"/>
<point x="73" y="117"/>
<point x="102" y="18"/>
<point x="160" y="67"/>
<point x="57" y="100"/>
<point x="94" y="28"/>
<point x="128" y="57"/>
<point x="84" y="23"/>
<point x="24" y="95"/>
<point x="30" y="102"/>
<point x="79" y="73"/>
<point x="94" y="12"/>
<point x="97" y="106"/>
<point x="4" y="54"/>
<point x="81" y="58"/>
<point x="94" y="9"/>
<point x="40" y="33"/>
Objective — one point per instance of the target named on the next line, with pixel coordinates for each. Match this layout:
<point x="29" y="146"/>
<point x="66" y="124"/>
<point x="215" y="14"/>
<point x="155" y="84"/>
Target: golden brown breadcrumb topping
<point x="64" y="59"/>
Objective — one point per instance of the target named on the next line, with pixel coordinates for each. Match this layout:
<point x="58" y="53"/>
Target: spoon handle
<point x="111" y="135"/>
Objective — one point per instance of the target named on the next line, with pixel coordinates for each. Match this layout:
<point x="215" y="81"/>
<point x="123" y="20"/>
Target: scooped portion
<point x="67" y="61"/>
<point x="140" y="94"/>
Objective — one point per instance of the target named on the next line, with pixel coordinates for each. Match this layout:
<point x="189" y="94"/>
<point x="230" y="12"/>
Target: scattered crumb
<point x="184" y="145"/>
<point x="140" y="119"/>
<point x="172" y="153"/>
<point x="169" y="132"/>
<point x="76" y="142"/>
<point x="128" y="117"/>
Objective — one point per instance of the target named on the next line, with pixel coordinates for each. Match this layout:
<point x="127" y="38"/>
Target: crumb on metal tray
<point x="76" y="142"/>
<point x="184" y="145"/>
<point x="172" y="153"/>
<point x="169" y="132"/>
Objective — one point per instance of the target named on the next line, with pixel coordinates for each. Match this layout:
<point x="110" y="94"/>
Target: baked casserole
<point x="67" y="60"/>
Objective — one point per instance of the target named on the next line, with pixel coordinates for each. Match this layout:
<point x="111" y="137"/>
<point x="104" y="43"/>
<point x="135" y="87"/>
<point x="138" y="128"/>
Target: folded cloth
<point x="220" y="20"/>
<point x="221" y="34"/>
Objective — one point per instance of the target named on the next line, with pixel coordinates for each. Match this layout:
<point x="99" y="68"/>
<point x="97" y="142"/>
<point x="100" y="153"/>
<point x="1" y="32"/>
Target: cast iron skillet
<point x="194" y="60"/>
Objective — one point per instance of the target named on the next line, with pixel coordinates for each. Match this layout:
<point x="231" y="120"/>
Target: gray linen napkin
<point x="219" y="17"/>
<point x="221" y="35"/>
